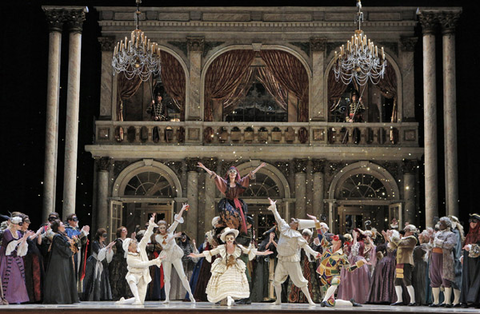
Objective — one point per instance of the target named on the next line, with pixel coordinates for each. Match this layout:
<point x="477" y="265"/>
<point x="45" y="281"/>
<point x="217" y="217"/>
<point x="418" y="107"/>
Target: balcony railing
<point x="256" y="133"/>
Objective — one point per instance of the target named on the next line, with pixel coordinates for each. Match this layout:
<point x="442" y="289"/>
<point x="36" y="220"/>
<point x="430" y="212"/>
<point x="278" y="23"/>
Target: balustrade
<point x="256" y="133"/>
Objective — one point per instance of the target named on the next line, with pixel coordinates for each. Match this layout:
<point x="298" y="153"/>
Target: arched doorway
<point x="141" y="189"/>
<point x="366" y="195"/>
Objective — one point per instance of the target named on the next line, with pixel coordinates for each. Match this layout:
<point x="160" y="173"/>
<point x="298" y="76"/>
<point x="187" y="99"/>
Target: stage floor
<point x="205" y="307"/>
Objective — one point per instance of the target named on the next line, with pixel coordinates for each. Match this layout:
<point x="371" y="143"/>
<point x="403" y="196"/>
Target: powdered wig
<point x="446" y="221"/>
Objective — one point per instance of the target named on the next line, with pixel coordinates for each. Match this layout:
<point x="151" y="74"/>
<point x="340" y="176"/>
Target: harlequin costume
<point x="331" y="263"/>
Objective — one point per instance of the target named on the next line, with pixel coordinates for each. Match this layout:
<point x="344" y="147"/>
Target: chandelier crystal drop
<point x="137" y="56"/>
<point x="360" y="61"/>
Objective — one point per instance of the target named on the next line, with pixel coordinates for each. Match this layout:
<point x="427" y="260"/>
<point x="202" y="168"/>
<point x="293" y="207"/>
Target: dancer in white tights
<point x="172" y="254"/>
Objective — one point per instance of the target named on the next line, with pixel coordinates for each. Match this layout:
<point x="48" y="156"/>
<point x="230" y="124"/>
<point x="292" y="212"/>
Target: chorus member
<point x="470" y="292"/>
<point x="118" y="267"/>
<point x="14" y="247"/>
<point x="332" y="260"/>
<point x="405" y="264"/>
<point x="80" y="237"/>
<point x="60" y="282"/>
<point x="96" y="284"/>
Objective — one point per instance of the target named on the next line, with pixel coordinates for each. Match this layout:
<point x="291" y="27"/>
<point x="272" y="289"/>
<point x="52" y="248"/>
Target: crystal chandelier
<point x="360" y="61"/>
<point x="137" y="56"/>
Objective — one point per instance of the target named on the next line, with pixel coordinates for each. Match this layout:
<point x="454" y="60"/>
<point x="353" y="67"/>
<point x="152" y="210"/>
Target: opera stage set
<point x="205" y="308"/>
<point x="318" y="161"/>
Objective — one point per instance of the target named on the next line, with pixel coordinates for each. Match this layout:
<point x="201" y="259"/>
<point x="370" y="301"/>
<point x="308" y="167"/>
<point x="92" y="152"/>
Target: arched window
<point x="149" y="184"/>
<point x="262" y="187"/>
<point x="363" y="186"/>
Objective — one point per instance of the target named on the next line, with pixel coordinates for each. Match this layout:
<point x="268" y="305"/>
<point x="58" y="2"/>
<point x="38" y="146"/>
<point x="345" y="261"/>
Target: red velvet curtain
<point x="224" y="76"/>
<point x="174" y="82"/>
<point x="291" y="74"/>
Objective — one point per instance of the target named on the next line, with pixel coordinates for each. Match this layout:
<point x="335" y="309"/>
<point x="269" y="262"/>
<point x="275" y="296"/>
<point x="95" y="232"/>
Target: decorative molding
<point x="192" y="164"/>
<point x="300" y="165"/>
<point x="119" y="165"/>
<point x="409" y="166"/>
<point x="107" y="43"/>
<point x="408" y="43"/>
<point x="103" y="164"/>
<point x="319" y="165"/>
<point x="304" y="46"/>
<point x="196" y="44"/>
<point x="318" y="44"/>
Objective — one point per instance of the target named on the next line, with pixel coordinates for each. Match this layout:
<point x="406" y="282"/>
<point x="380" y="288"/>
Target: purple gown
<point x="382" y="289"/>
<point x="12" y="271"/>
<point x="355" y="285"/>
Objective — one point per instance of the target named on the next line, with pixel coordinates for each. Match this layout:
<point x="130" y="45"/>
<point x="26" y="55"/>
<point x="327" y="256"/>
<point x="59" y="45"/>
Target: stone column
<point x="55" y="19"/>
<point x="409" y="191"/>
<point x="318" y="100"/>
<point x="75" y="21"/>
<point x="448" y="21"/>
<point x="106" y="46"/>
<point x="103" y="168"/>
<point x="191" y="216"/>
<point x="195" y="50"/>
<point x="300" y="188"/>
<point x="318" y="187"/>
<point x="210" y="190"/>
<point x="428" y="21"/>
<point x="407" y="46"/>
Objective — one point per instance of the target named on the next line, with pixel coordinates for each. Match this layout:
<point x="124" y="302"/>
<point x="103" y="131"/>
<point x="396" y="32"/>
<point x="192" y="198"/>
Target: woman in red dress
<point x="233" y="210"/>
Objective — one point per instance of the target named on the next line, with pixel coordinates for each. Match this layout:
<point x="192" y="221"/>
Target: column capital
<point x="210" y="163"/>
<point x="196" y="43"/>
<point x="318" y="44"/>
<point x="300" y="165"/>
<point x="56" y="17"/>
<point x="408" y="43"/>
<point x="107" y="43"/>
<point x="318" y="165"/>
<point x="448" y="21"/>
<point x="192" y="164"/>
<point x="103" y="164"/>
<point x="75" y="19"/>
<point x="409" y="166"/>
<point x="429" y="21"/>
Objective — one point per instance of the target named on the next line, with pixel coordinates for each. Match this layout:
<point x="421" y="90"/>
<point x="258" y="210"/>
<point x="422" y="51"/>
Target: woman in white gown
<point x="228" y="281"/>
<point x="172" y="254"/>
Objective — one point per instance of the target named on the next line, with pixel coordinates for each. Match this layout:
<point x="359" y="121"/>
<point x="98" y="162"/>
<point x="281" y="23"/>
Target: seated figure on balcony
<point x="233" y="210"/>
<point x="157" y="110"/>
<point x="355" y="109"/>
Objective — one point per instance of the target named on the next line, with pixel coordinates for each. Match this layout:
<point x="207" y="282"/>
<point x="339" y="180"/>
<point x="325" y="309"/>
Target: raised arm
<point x="210" y="172"/>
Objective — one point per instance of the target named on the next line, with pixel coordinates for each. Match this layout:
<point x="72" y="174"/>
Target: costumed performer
<point x="288" y="253"/>
<point x="172" y="254"/>
<point x="331" y="262"/>
<point x="138" y="276"/>
<point x="233" y="210"/>
<point x="228" y="281"/>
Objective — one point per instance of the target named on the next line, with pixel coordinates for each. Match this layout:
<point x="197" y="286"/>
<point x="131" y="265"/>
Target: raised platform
<point x="205" y="307"/>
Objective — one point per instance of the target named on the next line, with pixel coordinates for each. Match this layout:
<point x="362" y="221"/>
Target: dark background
<point x="24" y="61"/>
